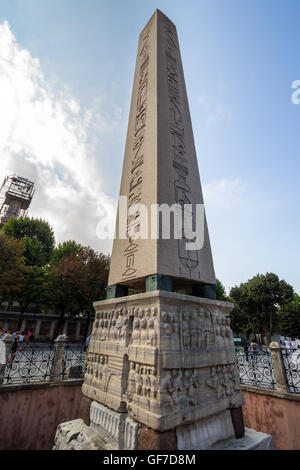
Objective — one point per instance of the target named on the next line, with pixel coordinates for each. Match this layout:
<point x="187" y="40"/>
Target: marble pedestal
<point x="161" y="370"/>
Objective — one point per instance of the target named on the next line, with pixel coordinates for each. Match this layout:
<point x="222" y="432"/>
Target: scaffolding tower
<point x="15" y="197"/>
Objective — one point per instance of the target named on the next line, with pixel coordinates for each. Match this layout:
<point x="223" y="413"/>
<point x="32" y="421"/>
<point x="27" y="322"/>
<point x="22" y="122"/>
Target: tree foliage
<point x="289" y="318"/>
<point x="257" y="303"/>
<point x="12" y="268"/>
<point x="63" y="250"/>
<point x="32" y="290"/>
<point x="37" y="237"/>
<point x="220" y="291"/>
<point x="75" y="282"/>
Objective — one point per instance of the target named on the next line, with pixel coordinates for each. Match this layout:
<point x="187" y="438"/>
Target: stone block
<point x="167" y="359"/>
<point x="131" y="434"/>
<point x="108" y="424"/>
<point x="205" y="434"/>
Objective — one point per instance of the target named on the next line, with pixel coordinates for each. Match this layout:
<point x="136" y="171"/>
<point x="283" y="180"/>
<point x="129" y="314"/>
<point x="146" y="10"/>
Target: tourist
<point x="21" y="337"/>
<point x="246" y="349"/>
<point x="87" y="342"/>
<point x="253" y="345"/>
<point x="30" y="336"/>
<point x="2" y="350"/>
<point x="287" y="343"/>
<point x="15" y="347"/>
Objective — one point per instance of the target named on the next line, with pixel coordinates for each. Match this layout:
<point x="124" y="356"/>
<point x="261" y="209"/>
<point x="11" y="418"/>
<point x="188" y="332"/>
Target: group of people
<point x="19" y="338"/>
<point x="284" y="341"/>
<point x="293" y="343"/>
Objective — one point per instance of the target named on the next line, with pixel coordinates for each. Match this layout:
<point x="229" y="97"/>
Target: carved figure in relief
<point x="119" y="324"/>
<point x="154" y="311"/>
<point x="192" y="387"/>
<point x="102" y="332"/>
<point x="105" y="370"/>
<point x="152" y="341"/>
<point x="147" y="386"/>
<point x="131" y="390"/>
<point x="165" y="391"/>
<point x="185" y="330"/>
<point x="166" y="330"/>
<point x="175" y="334"/>
<point x="112" y="330"/>
<point x="234" y="376"/>
<point x="153" y="384"/>
<point x="141" y="313"/>
<point x="214" y="382"/>
<point x="222" y="335"/>
<point x="105" y="329"/>
<point x="136" y="333"/>
<point x="123" y="330"/>
<point x="176" y="386"/>
<point x="144" y="332"/>
<point x="193" y="331"/>
<point x="224" y="379"/>
<point x="229" y="331"/>
<point x="209" y="330"/>
<point x="138" y="380"/>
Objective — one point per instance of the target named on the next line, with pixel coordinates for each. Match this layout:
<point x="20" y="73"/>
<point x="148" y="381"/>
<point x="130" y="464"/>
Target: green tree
<point x="37" y="237"/>
<point x="241" y="317"/>
<point x="12" y="268"/>
<point x="220" y="291"/>
<point x="75" y="282"/>
<point x="32" y="290"/>
<point x="289" y="318"/>
<point x="63" y="250"/>
<point x="257" y="303"/>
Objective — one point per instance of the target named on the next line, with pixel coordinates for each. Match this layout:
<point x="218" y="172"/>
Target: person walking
<point x="287" y="343"/>
<point x="246" y="349"/>
<point x="87" y="342"/>
<point x="30" y="336"/>
<point x="15" y="347"/>
<point x="253" y="347"/>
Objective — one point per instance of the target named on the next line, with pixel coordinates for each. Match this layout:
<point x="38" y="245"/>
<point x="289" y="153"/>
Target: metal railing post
<point x="58" y="358"/>
<point x="8" y="341"/>
<point x="279" y="371"/>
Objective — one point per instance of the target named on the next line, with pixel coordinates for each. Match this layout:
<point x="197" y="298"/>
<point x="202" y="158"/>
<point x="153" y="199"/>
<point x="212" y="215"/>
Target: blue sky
<point x="240" y="58"/>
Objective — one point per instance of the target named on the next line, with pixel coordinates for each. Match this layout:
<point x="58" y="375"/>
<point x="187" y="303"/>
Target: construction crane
<point x="15" y="197"/>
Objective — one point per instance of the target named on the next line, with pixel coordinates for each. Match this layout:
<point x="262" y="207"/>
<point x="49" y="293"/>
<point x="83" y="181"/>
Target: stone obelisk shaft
<point x="160" y="163"/>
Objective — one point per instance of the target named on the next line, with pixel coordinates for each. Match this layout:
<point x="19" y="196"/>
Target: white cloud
<point x="218" y="114"/>
<point x="45" y="135"/>
<point x="224" y="194"/>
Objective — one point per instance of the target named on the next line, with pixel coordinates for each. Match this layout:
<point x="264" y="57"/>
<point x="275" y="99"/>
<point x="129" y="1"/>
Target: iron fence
<point x="32" y="363"/>
<point x="256" y="369"/>
<point x="291" y="363"/>
<point x="74" y="361"/>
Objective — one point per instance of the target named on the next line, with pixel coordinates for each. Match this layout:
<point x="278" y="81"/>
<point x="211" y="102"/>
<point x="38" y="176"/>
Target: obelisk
<point x="161" y="365"/>
<point x="160" y="167"/>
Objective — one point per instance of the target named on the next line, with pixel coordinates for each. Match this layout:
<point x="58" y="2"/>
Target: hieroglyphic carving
<point x="188" y="258"/>
<point x="136" y="179"/>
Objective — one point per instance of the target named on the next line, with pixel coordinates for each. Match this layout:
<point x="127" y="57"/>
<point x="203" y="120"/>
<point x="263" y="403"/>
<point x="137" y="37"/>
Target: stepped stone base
<point x="110" y="430"/>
